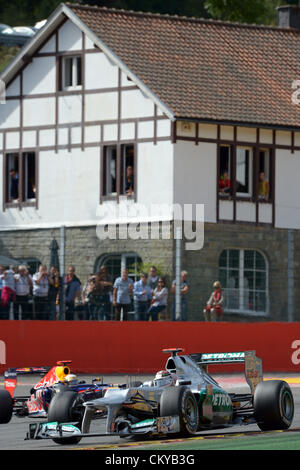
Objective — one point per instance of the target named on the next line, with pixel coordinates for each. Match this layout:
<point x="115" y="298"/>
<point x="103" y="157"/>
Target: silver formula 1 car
<point x="182" y="399"/>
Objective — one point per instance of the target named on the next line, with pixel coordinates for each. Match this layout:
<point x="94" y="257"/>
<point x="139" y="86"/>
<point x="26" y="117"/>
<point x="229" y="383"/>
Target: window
<point x="244" y="277"/>
<point x="245" y="172"/>
<point x="244" y="165"/>
<point x="114" y="264"/>
<point x="29" y="168"/>
<point x="72" y="72"/>
<point x="12" y="177"/>
<point x="264" y="169"/>
<point x="110" y="169"/>
<point x="118" y="170"/>
<point x="32" y="264"/>
<point x="225" y="176"/>
<point x="20" y="177"/>
<point x="127" y="186"/>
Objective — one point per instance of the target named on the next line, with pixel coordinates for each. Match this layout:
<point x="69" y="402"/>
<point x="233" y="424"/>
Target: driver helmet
<point x="70" y="378"/>
<point x="162" y="378"/>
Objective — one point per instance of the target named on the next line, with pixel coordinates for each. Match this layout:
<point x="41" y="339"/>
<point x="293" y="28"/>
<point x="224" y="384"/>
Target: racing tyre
<point x="180" y="401"/>
<point x="6" y="407"/>
<point x="273" y="405"/>
<point x="66" y="407"/>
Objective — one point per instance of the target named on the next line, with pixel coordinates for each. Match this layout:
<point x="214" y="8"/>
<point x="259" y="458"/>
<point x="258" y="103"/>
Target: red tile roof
<point x="205" y="69"/>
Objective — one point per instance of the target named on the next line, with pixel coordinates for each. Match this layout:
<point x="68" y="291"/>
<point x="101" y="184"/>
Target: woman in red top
<point x="214" y="307"/>
<point x="224" y="183"/>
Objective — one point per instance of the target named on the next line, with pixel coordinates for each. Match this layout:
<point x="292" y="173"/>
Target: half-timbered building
<point x="202" y="111"/>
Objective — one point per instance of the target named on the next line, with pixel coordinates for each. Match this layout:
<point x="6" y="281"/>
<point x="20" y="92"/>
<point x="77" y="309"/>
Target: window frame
<point x="241" y="291"/>
<point x="252" y="196"/>
<point x="22" y="200"/>
<point x="249" y="173"/>
<point x="135" y="276"/>
<point x="120" y="172"/>
<point x="74" y="79"/>
<point x="32" y="263"/>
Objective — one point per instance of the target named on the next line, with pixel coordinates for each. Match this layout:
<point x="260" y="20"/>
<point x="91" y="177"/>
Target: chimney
<point x="288" y="16"/>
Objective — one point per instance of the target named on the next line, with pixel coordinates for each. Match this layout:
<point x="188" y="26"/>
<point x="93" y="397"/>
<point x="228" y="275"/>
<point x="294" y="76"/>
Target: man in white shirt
<point x="142" y="297"/>
<point x="23" y="283"/>
<point x="122" y="290"/>
<point x="40" y="292"/>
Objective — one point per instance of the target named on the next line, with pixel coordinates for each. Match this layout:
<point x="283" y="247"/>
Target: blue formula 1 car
<point x="36" y="405"/>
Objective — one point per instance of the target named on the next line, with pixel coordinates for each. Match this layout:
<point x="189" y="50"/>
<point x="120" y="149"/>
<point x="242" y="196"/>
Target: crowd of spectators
<point x="44" y="295"/>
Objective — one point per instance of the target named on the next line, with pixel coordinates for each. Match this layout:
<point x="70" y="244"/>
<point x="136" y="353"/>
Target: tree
<point x="246" y="11"/>
<point x="171" y="7"/>
<point x="240" y="11"/>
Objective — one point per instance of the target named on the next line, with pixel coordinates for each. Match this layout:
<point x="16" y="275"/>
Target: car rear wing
<point x="10" y="376"/>
<point x="253" y="364"/>
<point x="26" y="370"/>
<point x="48" y="374"/>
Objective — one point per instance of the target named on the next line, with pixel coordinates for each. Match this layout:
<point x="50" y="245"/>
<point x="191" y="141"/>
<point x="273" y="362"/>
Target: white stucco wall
<point x="39" y="77"/>
<point x="69" y="37"/>
<point x="68" y="191"/>
<point x="102" y="73"/>
<point x="195" y="169"/>
<point x="69" y="179"/>
<point x="287" y="207"/>
<point x="155" y="173"/>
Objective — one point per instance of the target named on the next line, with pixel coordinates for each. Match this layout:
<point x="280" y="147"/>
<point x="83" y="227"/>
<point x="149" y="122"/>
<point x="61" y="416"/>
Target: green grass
<point x="272" y="441"/>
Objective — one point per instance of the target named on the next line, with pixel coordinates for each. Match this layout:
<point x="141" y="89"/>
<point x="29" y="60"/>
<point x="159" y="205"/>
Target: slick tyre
<point x="273" y="405"/>
<point x="65" y="407"/>
<point x="6" y="407"/>
<point x="180" y="401"/>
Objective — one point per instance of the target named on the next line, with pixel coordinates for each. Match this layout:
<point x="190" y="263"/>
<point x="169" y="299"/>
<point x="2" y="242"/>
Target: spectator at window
<point x="184" y="288"/>
<point x="224" y="184"/>
<point x="23" y="283"/>
<point x="122" y="290"/>
<point x="53" y="292"/>
<point x="142" y="296"/>
<point x="129" y="181"/>
<point x="8" y="293"/>
<point x="40" y="292"/>
<point x="31" y="190"/>
<point x="14" y="184"/>
<point x="73" y="290"/>
<point x="263" y="187"/>
<point x="159" y="300"/>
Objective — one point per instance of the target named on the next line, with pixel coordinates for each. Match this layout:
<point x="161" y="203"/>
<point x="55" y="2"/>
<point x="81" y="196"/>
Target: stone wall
<point x="83" y="248"/>
<point x="203" y="267"/>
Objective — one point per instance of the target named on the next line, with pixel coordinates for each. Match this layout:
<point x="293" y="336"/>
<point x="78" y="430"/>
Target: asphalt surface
<point x="12" y="435"/>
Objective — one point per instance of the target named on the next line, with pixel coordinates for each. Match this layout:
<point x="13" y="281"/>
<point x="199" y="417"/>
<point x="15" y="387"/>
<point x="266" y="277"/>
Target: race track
<point x="12" y="435"/>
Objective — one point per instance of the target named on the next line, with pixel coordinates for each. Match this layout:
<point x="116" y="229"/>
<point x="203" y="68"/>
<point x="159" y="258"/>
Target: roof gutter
<point x="223" y="122"/>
